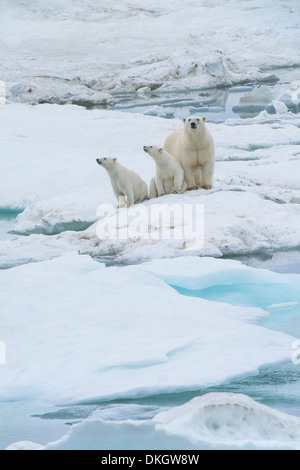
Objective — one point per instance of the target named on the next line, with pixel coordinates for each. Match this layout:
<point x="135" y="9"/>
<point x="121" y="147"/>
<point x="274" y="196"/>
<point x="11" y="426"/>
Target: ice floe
<point x="75" y="322"/>
<point x="215" y="420"/>
<point x="49" y="170"/>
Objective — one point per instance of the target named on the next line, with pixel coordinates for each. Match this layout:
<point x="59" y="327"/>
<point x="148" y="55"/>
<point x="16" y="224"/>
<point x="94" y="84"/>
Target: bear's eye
<point x="105" y="159"/>
<point x="198" y="120"/>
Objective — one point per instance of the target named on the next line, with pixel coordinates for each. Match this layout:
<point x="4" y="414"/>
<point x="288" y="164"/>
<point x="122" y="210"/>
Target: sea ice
<point x="54" y="90"/>
<point x="291" y="98"/>
<point x="75" y="330"/>
<point x="122" y="331"/>
<point x="277" y="107"/>
<point x="25" y="445"/>
<point x="231" y="420"/>
<point x="285" y="305"/>
<point x="105" y="46"/>
<point x="255" y="100"/>
<point x="196" y="273"/>
<point x="209" y="422"/>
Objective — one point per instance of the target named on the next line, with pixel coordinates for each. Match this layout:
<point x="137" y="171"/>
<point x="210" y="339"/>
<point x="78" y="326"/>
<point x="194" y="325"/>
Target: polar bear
<point x="193" y="147"/>
<point x="169" y="177"/>
<point x="128" y="186"/>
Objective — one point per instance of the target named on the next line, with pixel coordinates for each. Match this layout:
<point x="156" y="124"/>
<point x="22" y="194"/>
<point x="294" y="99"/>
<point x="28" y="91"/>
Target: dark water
<point x="217" y="104"/>
<point x="284" y="262"/>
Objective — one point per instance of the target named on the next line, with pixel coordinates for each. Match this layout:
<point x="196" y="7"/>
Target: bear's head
<point x="154" y="151"/>
<point x="194" y="123"/>
<point x="108" y="163"/>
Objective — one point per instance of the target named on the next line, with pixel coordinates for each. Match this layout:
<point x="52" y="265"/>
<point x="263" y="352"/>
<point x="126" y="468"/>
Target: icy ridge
<point x="212" y="421"/>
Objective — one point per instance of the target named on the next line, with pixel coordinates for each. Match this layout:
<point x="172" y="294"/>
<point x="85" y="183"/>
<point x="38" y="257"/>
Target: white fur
<point x="169" y="177"/>
<point x="194" y="149"/>
<point x="128" y="186"/>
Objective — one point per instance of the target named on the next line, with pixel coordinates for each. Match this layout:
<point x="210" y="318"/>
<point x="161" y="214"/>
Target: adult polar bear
<point x="193" y="147"/>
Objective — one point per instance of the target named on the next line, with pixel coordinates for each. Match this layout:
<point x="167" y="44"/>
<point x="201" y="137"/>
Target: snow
<point x="75" y="330"/>
<point x="93" y="49"/>
<point x="25" y="445"/>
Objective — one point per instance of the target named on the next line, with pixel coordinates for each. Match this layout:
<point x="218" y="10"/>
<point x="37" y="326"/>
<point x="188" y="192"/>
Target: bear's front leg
<point x="160" y="186"/>
<point x="121" y="202"/>
<point x="198" y="176"/>
<point x="178" y="182"/>
<point x="129" y="195"/>
<point x="152" y="189"/>
<point x="208" y="173"/>
<point x="189" y="178"/>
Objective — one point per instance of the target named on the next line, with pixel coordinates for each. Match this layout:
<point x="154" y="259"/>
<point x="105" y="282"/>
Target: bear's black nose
<point x="194" y="125"/>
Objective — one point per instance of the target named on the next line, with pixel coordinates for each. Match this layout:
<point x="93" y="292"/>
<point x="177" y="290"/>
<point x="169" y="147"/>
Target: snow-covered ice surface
<point x="147" y="353"/>
<point x="93" y="49"/>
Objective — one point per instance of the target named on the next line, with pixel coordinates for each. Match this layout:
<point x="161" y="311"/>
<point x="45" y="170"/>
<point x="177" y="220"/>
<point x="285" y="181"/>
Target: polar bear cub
<point x="128" y="186"/>
<point x="169" y="177"/>
<point x="194" y="149"/>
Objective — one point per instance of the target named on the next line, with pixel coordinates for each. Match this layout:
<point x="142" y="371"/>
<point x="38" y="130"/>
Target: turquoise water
<point x="277" y="386"/>
<point x="7" y="221"/>
<point x="281" y="300"/>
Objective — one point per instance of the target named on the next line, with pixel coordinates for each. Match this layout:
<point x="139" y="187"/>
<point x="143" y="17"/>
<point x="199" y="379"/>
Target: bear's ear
<point x="204" y="119"/>
<point x="183" y="120"/>
<point x="114" y="159"/>
<point x="160" y="150"/>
